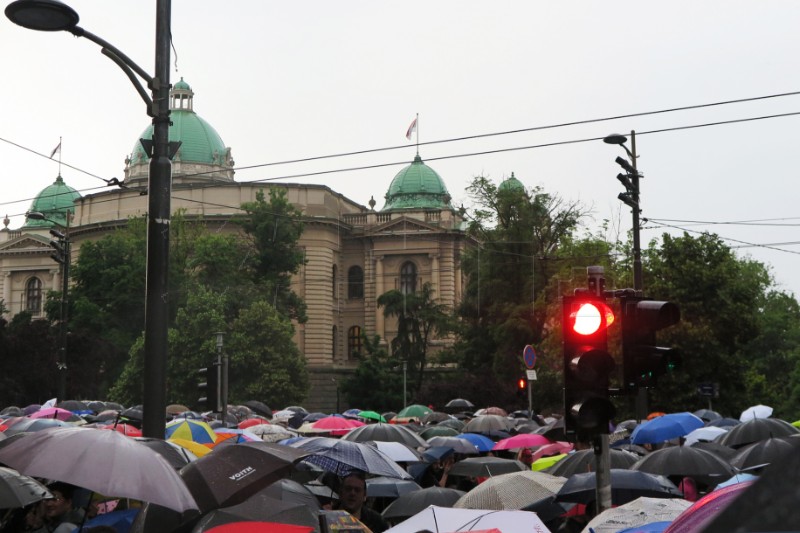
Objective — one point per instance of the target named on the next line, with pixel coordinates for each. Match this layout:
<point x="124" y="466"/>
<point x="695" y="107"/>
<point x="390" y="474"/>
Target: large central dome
<point x="417" y="186"/>
<point x="201" y="157"/>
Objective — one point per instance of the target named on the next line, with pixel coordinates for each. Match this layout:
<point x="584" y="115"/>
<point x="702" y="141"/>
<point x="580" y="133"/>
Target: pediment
<point x="28" y="243"/>
<point x="405" y="225"/>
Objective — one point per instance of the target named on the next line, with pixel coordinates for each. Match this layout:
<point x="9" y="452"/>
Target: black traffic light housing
<point x="587" y="365"/>
<point x="643" y="360"/>
<point x="208" y="387"/>
<point x="522" y="386"/>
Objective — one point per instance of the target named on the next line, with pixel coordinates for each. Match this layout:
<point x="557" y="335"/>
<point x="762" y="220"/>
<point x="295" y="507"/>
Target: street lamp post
<point x="62" y="256"/>
<point x="52" y="15"/>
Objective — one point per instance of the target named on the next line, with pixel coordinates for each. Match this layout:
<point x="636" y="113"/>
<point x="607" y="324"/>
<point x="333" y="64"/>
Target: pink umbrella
<point x="703" y="511"/>
<point x="523" y="440"/>
<point x="55" y="412"/>
<point x="336" y="425"/>
<point x="556" y="448"/>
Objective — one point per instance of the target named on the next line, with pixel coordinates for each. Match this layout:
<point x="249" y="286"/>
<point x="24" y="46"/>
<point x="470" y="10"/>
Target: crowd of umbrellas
<point x="260" y="470"/>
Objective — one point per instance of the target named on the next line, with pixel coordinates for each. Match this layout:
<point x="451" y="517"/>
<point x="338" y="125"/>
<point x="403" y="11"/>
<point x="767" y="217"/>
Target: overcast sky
<point x="288" y="80"/>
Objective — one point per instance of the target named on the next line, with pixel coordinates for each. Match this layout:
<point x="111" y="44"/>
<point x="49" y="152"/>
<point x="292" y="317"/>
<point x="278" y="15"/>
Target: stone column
<point x="380" y="325"/>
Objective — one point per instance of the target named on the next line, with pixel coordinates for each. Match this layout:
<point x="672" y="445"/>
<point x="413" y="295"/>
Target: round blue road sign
<point x="529" y="356"/>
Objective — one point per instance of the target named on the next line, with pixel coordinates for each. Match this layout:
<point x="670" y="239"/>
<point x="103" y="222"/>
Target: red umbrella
<point x="336" y="425"/>
<point x="126" y="429"/>
<point x="523" y="440"/>
<point x="703" y="511"/>
<point x="250" y="422"/>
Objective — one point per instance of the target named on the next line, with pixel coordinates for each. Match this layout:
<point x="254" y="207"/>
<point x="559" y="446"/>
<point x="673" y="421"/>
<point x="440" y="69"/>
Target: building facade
<point x="353" y="253"/>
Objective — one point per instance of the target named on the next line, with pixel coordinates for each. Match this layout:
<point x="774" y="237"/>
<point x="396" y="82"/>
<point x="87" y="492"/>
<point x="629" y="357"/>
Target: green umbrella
<point x="371" y="415"/>
<point x="438" y="431"/>
<point x="413" y="411"/>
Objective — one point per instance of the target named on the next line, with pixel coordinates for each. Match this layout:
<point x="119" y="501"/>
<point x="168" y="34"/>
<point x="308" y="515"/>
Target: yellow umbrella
<point x="198" y="449"/>
<point x="547" y="462"/>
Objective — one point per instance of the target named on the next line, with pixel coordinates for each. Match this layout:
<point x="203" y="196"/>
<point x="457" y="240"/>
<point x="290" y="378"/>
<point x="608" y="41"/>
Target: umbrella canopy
<point x="189" y="429"/>
<point x="372" y="415"/>
<point x="386" y="433"/>
<point x="584" y="461"/>
<point x="457" y="444"/>
<point x="486" y="423"/>
<point x="543" y="464"/>
<point x="259" y="408"/>
<point x="704" y="510"/>
<point x="724" y="422"/>
<point x="664" y="428"/>
<point x="723" y="452"/>
<point x="176" y="456"/>
<point x="389" y="487"/>
<point x="444" y="519"/>
<point x="413" y="502"/>
<point x="414" y="411"/>
<point x="342" y="456"/>
<point x="706" y="434"/>
<point x="438" y="431"/>
<point x="335" y="425"/>
<point x="486" y="467"/>
<point x="397" y="451"/>
<point x="516" y="490"/>
<point x="523" y="440"/>
<point x="271" y="432"/>
<point x="482" y="442"/>
<point x="126" y="429"/>
<point x="626" y="485"/>
<point x="707" y="415"/>
<point x="19" y="490"/>
<point x="638" y="512"/>
<point x="292" y="492"/>
<point x="252" y="421"/>
<point x="434" y="418"/>
<point x="454" y="423"/>
<point x="102" y="461"/>
<point x="764" y="452"/>
<point x="74" y="405"/>
<point x="232" y="474"/>
<point x="753" y="431"/>
<point x="56" y="412"/>
<point x="30" y="425"/>
<point x="260" y="513"/>
<point x="459" y="404"/>
<point x="686" y="461"/>
<point x="756" y="411"/>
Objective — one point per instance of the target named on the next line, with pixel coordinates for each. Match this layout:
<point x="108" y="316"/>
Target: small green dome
<point x="417" y="186"/>
<point x="511" y="184"/>
<point x="181" y="86"/>
<point x="53" y="202"/>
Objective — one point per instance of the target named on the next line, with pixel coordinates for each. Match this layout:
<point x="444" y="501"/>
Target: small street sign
<point x="531" y="374"/>
<point x="529" y="356"/>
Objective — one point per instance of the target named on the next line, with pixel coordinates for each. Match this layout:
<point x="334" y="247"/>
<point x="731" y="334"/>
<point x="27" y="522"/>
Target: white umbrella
<point x="445" y="519"/>
<point x="397" y="451"/>
<point x="756" y="411"/>
<point x="637" y="513"/>
<point x="704" y="434"/>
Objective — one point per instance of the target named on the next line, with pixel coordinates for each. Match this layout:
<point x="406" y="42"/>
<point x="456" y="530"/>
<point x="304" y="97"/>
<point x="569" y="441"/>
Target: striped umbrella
<point x="191" y="430"/>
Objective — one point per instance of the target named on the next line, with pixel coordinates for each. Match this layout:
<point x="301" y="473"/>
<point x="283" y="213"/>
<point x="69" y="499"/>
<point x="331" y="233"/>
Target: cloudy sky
<point x="288" y="80"/>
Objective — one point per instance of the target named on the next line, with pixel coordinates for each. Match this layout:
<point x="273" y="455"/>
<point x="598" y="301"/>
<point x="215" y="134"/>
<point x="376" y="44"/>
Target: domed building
<point x="416" y="238"/>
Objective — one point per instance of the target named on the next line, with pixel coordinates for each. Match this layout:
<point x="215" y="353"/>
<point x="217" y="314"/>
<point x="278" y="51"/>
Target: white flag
<point x="56" y="150"/>
<point x="411" y="129"/>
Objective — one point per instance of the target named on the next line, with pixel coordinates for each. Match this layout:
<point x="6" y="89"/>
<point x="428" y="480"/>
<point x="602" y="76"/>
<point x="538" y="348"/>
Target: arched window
<point x="33" y="296"/>
<point x="408" y="278"/>
<point x="333" y="343"/>
<point x="354" y="341"/>
<point x="333" y="281"/>
<point x="355" y="282"/>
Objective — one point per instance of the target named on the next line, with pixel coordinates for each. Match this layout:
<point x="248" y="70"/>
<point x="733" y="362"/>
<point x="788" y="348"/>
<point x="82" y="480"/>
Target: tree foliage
<point x="377" y="366"/>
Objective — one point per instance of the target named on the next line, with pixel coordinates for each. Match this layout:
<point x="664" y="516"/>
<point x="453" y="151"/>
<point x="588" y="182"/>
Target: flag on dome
<point x="56" y="150"/>
<point x="411" y="129"/>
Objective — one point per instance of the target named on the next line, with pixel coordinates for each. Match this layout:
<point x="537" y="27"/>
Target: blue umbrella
<point x="652" y="527"/>
<point x="483" y="443"/>
<point x="666" y="427"/>
<point x="121" y="521"/>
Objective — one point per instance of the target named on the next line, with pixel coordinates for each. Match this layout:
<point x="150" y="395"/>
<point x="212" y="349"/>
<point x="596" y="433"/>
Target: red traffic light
<point x="587" y="318"/>
<point x="521" y="383"/>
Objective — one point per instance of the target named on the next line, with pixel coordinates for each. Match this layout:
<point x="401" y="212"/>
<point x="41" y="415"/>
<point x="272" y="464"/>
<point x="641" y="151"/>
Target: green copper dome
<point x="417" y="186"/>
<point x="511" y="184"/>
<point x="200" y="142"/>
<point x="53" y="202"/>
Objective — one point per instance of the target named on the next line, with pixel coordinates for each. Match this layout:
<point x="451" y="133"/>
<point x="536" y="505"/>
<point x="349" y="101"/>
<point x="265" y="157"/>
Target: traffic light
<point x="587" y="365"/>
<point x="208" y="387"/>
<point x="61" y="246"/>
<point x="643" y="360"/>
<point x="522" y="386"/>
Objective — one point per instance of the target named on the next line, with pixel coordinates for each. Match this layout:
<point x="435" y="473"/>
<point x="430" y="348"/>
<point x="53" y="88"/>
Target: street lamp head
<point x="42" y="15"/>
<point x="35" y="215"/>
<point x="615" y="138"/>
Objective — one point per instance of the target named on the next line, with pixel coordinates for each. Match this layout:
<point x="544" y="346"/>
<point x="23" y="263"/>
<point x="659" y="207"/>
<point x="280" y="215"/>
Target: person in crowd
<point x="60" y="516"/>
<point x="688" y="487"/>
<point x="353" y="498"/>
<point x="525" y="455"/>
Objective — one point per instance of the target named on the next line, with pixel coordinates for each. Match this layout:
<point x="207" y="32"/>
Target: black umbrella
<point x="73" y="405"/>
<point x="259" y="407"/>
<point x="31" y="425"/>
<point x="389" y="487"/>
<point x="626" y="486"/>
<point x="755" y="430"/>
<point x="413" y="502"/>
<point x="386" y="433"/>
<point x="12" y="410"/>
<point x="434" y="418"/>
<point x="19" y="490"/>
<point x="454" y="423"/>
<point x="724" y="422"/>
<point x="292" y="492"/>
<point x="486" y="423"/>
<point x="460" y="404"/>
<point x="176" y="456"/>
<point x="723" y="452"/>
<point x="230" y="475"/>
<point x="683" y="461"/>
<point x="584" y="461"/>
<point x="707" y="415"/>
<point x="486" y="467"/>
<point x="763" y="452"/>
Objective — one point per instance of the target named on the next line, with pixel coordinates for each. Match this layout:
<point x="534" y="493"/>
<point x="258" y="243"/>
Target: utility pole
<point x="222" y="364"/>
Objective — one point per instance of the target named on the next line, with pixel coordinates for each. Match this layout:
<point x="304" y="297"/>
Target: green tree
<point x="419" y="319"/>
<point x="377" y="366"/>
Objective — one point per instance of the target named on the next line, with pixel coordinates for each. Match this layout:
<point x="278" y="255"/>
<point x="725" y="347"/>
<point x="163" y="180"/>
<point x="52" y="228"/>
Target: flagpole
<point x="417" y="128"/>
<point x="60" y="147"/>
